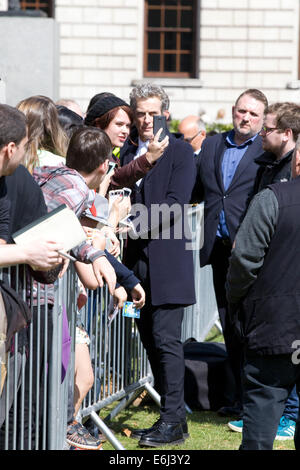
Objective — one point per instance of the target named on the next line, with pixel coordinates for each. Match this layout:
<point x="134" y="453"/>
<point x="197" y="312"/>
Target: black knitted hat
<point x="102" y="106"/>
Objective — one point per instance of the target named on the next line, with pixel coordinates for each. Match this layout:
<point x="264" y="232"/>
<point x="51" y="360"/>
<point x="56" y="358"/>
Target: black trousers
<point x="220" y="262"/>
<point x="267" y="382"/>
<point x="160" y="331"/>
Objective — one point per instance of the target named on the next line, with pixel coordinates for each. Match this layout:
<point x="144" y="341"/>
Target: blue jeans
<point x="291" y="409"/>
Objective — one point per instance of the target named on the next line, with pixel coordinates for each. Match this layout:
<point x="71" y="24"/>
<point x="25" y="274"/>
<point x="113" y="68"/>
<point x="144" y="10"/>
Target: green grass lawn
<point x="207" y="430"/>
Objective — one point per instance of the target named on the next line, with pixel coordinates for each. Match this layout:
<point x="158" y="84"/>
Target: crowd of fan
<point x="54" y="153"/>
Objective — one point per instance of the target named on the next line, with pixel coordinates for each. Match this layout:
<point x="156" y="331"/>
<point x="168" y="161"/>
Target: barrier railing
<point x="37" y="374"/>
<point x="200" y="317"/>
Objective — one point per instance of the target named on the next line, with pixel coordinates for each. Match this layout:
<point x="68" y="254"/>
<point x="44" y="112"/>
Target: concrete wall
<point x="29" y="57"/>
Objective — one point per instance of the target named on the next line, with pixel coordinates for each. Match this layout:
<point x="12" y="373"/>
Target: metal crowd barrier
<point x="37" y="375"/>
<point x="200" y="317"/>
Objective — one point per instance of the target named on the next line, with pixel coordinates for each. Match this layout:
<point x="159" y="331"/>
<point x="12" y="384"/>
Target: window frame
<point x="46" y="5"/>
<point x="178" y="51"/>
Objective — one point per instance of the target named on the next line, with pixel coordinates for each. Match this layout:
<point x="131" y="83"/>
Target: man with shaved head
<point x="193" y="130"/>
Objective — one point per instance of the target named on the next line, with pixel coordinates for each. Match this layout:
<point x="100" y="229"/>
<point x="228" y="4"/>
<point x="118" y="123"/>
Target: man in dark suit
<point x="161" y="257"/>
<point x="225" y="180"/>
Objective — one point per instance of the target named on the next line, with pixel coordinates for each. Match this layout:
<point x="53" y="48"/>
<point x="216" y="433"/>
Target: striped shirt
<point x="63" y="185"/>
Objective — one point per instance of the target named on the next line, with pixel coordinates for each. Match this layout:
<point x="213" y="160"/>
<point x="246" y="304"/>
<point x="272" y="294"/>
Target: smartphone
<point x="158" y="122"/>
<point x="111" y="167"/>
<point x="113" y="195"/>
<point x="126" y="191"/>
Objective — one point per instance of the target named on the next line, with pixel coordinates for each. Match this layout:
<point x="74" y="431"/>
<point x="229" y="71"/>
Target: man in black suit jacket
<point x="162" y="259"/>
<point x="226" y="176"/>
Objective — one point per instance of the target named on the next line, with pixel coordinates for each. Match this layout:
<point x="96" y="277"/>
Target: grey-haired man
<point x="164" y="266"/>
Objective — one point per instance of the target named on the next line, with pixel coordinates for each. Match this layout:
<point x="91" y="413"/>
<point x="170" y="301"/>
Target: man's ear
<point x="288" y="134"/>
<point x="103" y="167"/>
<point x="167" y="114"/>
<point x="9" y="150"/>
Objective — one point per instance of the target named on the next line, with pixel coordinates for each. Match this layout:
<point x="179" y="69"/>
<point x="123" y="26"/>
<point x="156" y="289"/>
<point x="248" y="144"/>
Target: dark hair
<point x="68" y="119"/>
<point x="89" y="147"/>
<point x="13" y="126"/>
<point x="256" y="94"/>
<point x="97" y="97"/>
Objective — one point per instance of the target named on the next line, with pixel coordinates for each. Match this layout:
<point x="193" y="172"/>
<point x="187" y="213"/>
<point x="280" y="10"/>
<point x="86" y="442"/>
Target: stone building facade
<point x="240" y="44"/>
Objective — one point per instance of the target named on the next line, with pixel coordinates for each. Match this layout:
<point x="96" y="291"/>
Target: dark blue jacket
<point x="235" y="200"/>
<point x="170" y="265"/>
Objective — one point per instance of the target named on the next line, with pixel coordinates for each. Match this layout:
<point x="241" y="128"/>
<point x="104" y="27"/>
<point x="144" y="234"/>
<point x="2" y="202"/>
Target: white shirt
<point x="142" y="149"/>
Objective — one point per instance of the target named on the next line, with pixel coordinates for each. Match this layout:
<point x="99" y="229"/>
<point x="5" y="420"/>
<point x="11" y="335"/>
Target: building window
<point x="47" y="6"/>
<point x="170" y="38"/>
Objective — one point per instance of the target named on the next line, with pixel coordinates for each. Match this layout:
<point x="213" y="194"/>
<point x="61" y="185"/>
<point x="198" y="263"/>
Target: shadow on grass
<point x="206" y="429"/>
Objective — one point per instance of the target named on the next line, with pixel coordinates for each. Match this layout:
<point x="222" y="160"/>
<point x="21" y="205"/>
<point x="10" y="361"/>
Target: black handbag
<point x="209" y="382"/>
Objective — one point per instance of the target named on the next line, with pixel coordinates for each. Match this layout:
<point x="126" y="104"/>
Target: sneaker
<point x="286" y="429"/>
<point x="94" y="430"/>
<point x="79" y="437"/>
<point x="236" y="426"/>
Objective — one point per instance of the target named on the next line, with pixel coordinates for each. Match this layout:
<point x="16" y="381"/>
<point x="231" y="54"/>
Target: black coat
<point x="171" y="272"/>
<point x="235" y="200"/>
<point x="272" y="171"/>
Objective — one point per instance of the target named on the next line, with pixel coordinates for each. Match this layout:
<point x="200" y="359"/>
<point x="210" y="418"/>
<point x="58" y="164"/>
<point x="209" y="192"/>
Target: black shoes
<point x="235" y="411"/>
<point x="162" y="433"/>
<point x="138" y="433"/>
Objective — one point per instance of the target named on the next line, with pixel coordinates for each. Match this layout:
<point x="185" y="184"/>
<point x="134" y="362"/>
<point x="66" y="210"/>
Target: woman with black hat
<point x="114" y="116"/>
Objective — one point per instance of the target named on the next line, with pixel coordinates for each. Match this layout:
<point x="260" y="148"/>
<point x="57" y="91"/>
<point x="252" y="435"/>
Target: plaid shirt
<point x="62" y="185"/>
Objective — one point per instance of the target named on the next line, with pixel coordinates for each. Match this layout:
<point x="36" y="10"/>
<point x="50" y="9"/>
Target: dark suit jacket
<point x="170" y="265"/>
<point x="235" y="200"/>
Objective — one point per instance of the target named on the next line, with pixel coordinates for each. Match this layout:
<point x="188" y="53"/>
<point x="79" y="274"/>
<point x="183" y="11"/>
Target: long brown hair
<point x="44" y="130"/>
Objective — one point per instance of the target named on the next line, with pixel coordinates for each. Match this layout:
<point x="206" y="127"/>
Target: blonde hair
<point x="44" y="130"/>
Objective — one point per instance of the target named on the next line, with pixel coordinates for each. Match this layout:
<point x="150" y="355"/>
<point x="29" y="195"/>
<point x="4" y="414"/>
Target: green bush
<point x="218" y="127"/>
<point x="173" y="126"/>
<point x="214" y="126"/>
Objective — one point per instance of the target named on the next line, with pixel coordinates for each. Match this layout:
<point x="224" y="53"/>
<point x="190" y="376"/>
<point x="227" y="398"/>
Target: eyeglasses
<point x="267" y="130"/>
<point x="190" y="139"/>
